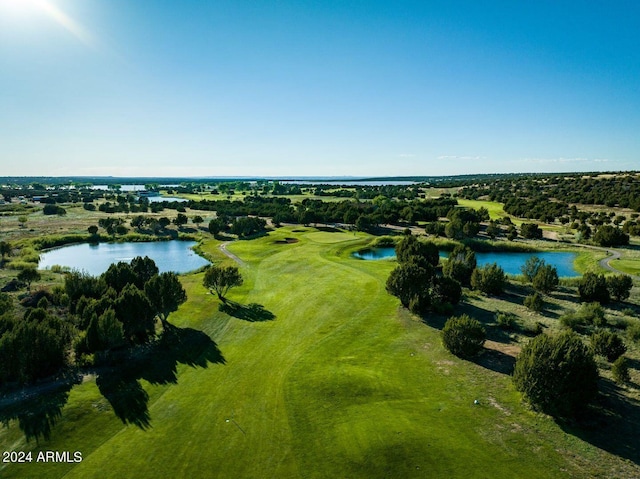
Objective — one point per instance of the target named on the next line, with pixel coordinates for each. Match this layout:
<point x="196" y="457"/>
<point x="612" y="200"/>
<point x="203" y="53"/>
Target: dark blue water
<point x="509" y="262"/>
<point x="176" y="256"/>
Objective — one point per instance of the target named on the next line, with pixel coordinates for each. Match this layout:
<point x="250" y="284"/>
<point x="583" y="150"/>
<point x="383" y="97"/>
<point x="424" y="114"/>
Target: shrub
<point x="463" y="336"/>
<point x="620" y="370"/>
<point x="588" y="314"/>
<point x="633" y="331"/>
<point x="608" y="344"/>
<point x="593" y="287"/>
<point x="619" y="286"/>
<point x="534" y="302"/>
<point x="505" y="320"/>
<point x="546" y="278"/>
<point x="557" y="375"/>
<point x="489" y="279"/>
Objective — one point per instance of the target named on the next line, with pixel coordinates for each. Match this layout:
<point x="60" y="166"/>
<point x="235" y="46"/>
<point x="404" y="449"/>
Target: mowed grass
<point x="342" y="383"/>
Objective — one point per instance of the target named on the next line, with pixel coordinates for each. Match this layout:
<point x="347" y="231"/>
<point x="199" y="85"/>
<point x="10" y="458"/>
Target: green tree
<point x="29" y="275"/>
<point x="607" y="344"/>
<point x="530" y="267"/>
<point x="197" y="220"/>
<point x="608" y="235"/>
<point x="460" y="264"/>
<point x="530" y="231"/>
<point x="165" y="294"/>
<point x="557" y="375"/>
<point x="136" y="314"/>
<point x="22" y="220"/>
<point x="118" y="275"/>
<point x="489" y="279"/>
<point x="620" y="370"/>
<point x="221" y="279"/>
<point x="411" y="247"/>
<point x="593" y="287"/>
<point x="144" y="268"/>
<point x="410" y="280"/>
<point x="180" y="220"/>
<point x="534" y="302"/>
<point x="546" y="279"/>
<point x="619" y="286"/>
<point x="5" y="250"/>
<point x="463" y="336"/>
<point x="93" y="230"/>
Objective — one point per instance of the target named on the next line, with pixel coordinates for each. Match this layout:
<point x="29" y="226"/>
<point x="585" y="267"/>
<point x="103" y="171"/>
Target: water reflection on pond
<point x="510" y="262"/>
<point x="176" y="256"/>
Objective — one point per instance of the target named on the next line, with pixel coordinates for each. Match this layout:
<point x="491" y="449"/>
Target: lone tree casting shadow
<point x="221" y="279"/>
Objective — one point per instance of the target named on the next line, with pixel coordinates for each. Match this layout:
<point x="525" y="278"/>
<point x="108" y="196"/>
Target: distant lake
<point x="160" y="199"/>
<point x="95" y="259"/>
<point x="508" y="261"/>
<point x="350" y="183"/>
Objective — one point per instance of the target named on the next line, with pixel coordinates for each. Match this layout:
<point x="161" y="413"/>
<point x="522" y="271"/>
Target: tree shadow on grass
<point x="495" y="360"/>
<point x="251" y="312"/>
<point x="38" y="407"/>
<point x="612" y="424"/>
<point x="156" y="363"/>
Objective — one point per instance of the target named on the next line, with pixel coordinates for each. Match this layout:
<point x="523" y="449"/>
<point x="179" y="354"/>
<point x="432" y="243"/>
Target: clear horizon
<point x="336" y="89"/>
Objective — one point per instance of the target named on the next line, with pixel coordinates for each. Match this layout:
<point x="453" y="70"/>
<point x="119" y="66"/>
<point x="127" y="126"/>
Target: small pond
<point x="510" y="262"/>
<point x="176" y="256"/>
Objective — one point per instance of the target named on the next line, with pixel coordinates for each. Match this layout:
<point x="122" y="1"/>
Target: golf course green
<point x="331" y="379"/>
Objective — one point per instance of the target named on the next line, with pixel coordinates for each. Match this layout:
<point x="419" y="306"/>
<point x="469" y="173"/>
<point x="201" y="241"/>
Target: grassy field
<point x="331" y="379"/>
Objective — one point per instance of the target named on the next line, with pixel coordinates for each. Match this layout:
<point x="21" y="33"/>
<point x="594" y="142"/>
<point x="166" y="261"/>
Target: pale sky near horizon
<point x="318" y="88"/>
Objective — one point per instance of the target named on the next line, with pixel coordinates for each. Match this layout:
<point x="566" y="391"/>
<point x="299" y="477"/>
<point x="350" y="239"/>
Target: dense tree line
<point x="94" y="315"/>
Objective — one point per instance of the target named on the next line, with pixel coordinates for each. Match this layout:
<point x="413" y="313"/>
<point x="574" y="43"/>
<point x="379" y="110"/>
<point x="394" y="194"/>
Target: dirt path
<point x="225" y="251"/>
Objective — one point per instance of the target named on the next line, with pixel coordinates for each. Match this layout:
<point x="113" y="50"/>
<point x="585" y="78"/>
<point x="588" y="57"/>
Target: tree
<point x="165" y="294"/>
<point x="463" y="336"/>
<point x="136" y="314"/>
<point x="197" y="220"/>
<point x="593" y="287"/>
<point x="531" y="266"/>
<point x="221" y="279"/>
<point x="546" y="279"/>
<point x="93" y="230"/>
<point x="411" y="247"/>
<point x="180" y="220"/>
<point x="460" y="264"/>
<point x="530" y="231"/>
<point x="619" y="286"/>
<point x="557" y="375"/>
<point x="608" y="344"/>
<point x="5" y="250"/>
<point x="489" y="279"/>
<point x="29" y="275"/>
<point x="608" y="235"/>
<point x="216" y="226"/>
<point x="534" y="302"/>
<point x="22" y="220"/>
<point x="620" y="370"/>
<point x="118" y="275"/>
<point x="409" y="281"/>
<point x="144" y="269"/>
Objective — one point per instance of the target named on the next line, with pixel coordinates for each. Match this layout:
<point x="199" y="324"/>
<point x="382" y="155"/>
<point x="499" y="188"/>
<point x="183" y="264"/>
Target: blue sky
<point x="330" y="88"/>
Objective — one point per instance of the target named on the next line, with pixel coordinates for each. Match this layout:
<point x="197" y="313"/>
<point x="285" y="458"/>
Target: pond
<point x="510" y="262"/>
<point x="176" y="256"/>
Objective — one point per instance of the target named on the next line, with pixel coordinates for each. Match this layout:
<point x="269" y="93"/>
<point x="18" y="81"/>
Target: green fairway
<point x="342" y="383"/>
<point x="495" y="209"/>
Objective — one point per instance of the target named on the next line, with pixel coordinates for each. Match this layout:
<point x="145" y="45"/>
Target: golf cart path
<point x="225" y="251"/>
